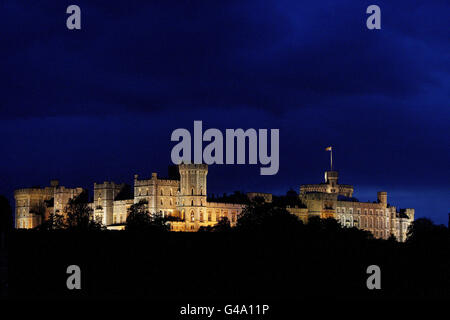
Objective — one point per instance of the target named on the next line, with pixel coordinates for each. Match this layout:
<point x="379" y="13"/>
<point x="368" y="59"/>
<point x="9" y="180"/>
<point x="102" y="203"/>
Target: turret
<point x="382" y="197"/>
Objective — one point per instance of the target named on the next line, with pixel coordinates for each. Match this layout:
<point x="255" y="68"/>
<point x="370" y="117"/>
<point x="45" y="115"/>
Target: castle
<point x="184" y="195"/>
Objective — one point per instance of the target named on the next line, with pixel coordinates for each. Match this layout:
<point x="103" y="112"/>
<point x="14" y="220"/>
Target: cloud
<point x="274" y="56"/>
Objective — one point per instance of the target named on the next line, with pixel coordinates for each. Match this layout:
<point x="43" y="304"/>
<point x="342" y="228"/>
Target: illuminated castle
<point x="184" y="195"/>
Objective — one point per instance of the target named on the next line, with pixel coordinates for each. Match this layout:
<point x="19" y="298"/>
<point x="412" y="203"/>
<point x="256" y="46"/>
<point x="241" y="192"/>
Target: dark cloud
<point x="139" y="69"/>
<point x="271" y="55"/>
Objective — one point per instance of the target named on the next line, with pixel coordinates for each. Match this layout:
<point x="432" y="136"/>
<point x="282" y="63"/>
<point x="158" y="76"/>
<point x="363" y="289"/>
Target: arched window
<point x="182" y="214"/>
<point x="192" y="191"/>
<point x="192" y="216"/>
<point x="162" y="192"/>
<point x="162" y="203"/>
<point x="192" y="203"/>
<point x="201" y="216"/>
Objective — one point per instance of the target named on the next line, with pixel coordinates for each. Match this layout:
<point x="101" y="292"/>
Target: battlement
<point x="106" y="185"/>
<point x="160" y="182"/>
<point x="221" y="205"/>
<point x="33" y="191"/>
<point x="191" y="166"/>
<point x="63" y="189"/>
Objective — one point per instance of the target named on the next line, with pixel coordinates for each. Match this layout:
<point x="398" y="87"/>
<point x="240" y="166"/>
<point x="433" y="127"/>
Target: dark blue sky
<point x="100" y="103"/>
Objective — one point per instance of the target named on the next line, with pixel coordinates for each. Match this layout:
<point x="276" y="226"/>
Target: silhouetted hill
<point x="320" y="259"/>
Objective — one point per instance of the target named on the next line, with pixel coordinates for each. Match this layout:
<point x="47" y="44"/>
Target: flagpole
<point x="331" y="158"/>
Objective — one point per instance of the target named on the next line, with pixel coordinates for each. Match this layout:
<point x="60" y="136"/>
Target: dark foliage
<point x="54" y="221"/>
<point x="125" y="193"/>
<point x="80" y="216"/>
<point x="6" y="217"/>
<point x="139" y="220"/>
<point x="269" y="255"/>
<point x="222" y="226"/>
<point x="260" y="216"/>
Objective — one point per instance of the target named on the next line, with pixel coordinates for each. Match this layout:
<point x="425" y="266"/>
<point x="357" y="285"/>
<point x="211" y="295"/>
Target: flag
<point x="328" y="149"/>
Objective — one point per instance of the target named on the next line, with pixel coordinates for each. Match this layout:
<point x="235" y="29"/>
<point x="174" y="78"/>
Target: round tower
<point x="192" y="195"/>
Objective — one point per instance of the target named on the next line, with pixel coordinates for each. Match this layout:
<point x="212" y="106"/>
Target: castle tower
<point x="331" y="179"/>
<point x="192" y="194"/>
<point x="104" y="195"/>
<point x="382" y="198"/>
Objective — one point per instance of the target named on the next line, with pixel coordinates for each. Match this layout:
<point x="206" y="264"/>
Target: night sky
<point x="100" y="103"/>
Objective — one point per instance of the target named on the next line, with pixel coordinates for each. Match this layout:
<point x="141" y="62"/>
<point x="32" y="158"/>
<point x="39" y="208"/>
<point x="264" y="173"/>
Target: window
<point x="192" y="203"/>
<point x="162" y="192"/>
<point x="201" y="216"/>
<point x="209" y="217"/>
<point x="192" y="191"/>
<point x="192" y="216"/>
<point x="162" y="203"/>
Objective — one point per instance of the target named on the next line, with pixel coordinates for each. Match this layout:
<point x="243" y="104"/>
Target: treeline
<point x="270" y="254"/>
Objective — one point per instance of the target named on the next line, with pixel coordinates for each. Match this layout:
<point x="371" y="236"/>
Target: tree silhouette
<point x="222" y="226"/>
<point x="140" y="220"/>
<point x="80" y="215"/>
<point x="54" y="221"/>
<point x="266" y="217"/>
<point x="6" y="218"/>
<point x="423" y="230"/>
